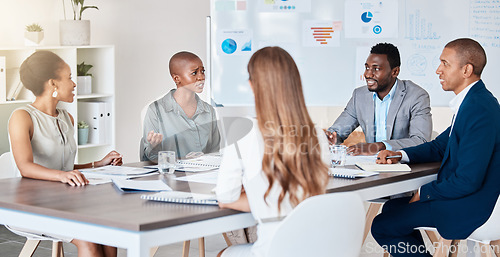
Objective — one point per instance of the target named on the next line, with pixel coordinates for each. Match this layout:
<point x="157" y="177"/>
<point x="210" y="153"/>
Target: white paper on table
<point x="116" y="170"/>
<point x="98" y="180"/>
<point x="141" y="185"/>
<point x="352" y="160"/>
<point x="208" y="178"/>
<point x="102" y="177"/>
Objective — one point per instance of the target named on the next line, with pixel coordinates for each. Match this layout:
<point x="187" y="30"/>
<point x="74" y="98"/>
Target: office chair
<point x="9" y="170"/>
<point x="324" y="225"/>
<point x="486" y="235"/>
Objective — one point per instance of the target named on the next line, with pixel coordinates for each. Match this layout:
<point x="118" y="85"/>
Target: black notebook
<point x="182" y="197"/>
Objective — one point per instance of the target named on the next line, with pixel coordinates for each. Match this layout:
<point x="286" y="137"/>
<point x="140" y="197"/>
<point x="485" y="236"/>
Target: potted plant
<point x="84" y="79"/>
<point x="33" y="34"/>
<point x="76" y="31"/>
<point x="83" y="132"/>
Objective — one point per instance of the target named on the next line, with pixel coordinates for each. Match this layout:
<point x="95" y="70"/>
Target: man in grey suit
<point x="393" y="113"/>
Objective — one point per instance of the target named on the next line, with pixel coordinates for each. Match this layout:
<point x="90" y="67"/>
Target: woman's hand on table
<point x="73" y="178"/>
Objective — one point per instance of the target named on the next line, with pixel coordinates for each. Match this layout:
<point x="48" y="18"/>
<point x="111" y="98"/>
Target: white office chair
<point x="489" y="231"/>
<point x="9" y="170"/>
<point x="484" y="235"/>
<point x="324" y="225"/>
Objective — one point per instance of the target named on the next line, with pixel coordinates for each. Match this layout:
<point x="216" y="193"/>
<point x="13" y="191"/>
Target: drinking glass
<point x="166" y="162"/>
<point x="338" y="155"/>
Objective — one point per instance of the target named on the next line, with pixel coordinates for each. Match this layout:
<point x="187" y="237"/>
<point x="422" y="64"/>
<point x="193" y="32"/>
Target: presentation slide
<point x="331" y="39"/>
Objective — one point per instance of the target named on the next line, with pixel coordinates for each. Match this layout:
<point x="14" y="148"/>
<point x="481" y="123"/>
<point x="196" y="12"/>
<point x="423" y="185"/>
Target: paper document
<point x="116" y="170"/>
<point x="97" y="180"/>
<point x="352" y="160"/>
<point x="208" y="178"/>
<point x="398" y="167"/>
<point x="127" y="185"/>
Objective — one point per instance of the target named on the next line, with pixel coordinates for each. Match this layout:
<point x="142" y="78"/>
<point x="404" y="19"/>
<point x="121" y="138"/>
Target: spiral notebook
<point x="350" y="173"/>
<point x="182" y="197"/>
<point x="210" y="161"/>
<point x="202" y="163"/>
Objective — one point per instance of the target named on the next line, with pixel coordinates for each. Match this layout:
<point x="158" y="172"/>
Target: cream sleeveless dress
<point x="54" y="147"/>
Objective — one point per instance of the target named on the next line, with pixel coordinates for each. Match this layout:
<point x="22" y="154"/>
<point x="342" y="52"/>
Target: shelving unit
<point x="103" y="90"/>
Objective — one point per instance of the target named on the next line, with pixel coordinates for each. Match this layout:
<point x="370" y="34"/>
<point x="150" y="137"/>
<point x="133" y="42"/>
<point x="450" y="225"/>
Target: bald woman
<point x="181" y="121"/>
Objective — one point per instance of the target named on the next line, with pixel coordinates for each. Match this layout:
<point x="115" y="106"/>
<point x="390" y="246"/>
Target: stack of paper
<point x="104" y="174"/>
<point x="116" y="170"/>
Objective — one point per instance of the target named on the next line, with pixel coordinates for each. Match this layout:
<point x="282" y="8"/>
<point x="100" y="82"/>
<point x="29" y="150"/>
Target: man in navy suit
<point x="468" y="183"/>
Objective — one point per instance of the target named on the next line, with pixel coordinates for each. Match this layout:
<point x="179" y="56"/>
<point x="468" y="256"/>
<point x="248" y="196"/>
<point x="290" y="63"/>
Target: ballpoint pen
<point x="392" y="156"/>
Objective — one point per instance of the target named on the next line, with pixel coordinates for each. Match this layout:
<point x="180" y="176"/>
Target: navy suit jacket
<point x="468" y="183"/>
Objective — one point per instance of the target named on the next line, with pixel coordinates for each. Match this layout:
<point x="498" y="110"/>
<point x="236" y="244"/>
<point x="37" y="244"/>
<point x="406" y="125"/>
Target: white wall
<point x="146" y="33"/>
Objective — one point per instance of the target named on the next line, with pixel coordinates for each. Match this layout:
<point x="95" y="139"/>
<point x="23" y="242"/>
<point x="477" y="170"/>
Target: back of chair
<point x="324" y="225"/>
<point x="489" y="231"/>
<point x="7" y="168"/>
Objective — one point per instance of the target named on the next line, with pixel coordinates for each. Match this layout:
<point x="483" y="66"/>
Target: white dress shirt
<point x="242" y="167"/>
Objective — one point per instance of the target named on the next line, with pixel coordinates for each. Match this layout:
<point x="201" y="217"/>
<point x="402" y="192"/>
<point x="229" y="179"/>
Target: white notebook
<point x="350" y="173"/>
<point x="182" y="197"/>
<point x="398" y="167"/>
<point x="202" y="161"/>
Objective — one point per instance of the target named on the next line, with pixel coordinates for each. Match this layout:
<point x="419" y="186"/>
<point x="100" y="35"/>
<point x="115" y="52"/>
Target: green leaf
<point x="85" y="8"/>
<point x="82" y="69"/>
<point x="82" y="124"/>
<point x="78" y="8"/>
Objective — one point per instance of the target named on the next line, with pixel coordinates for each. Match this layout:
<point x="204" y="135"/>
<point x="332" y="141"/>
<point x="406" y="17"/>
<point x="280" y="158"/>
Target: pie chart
<point x="366" y="17"/>
<point x="229" y="46"/>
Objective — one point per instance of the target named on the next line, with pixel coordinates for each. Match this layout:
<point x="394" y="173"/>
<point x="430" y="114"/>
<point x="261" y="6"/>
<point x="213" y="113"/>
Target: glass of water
<point x="166" y="162"/>
<point x="338" y="155"/>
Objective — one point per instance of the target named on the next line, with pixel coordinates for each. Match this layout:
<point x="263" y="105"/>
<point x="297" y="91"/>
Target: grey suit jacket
<point x="409" y="120"/>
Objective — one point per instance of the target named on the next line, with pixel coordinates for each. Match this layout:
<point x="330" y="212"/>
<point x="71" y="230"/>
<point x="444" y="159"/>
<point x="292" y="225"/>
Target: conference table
<point x="102" y="214"/>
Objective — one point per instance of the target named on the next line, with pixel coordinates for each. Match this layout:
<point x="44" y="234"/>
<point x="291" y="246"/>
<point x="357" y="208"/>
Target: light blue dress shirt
<point x="381" y="110"/>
